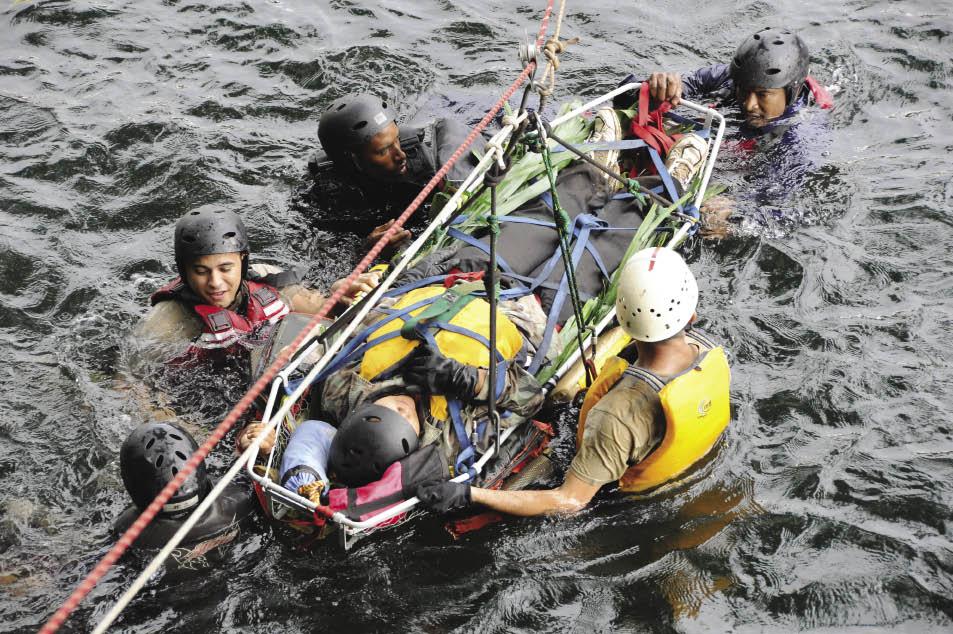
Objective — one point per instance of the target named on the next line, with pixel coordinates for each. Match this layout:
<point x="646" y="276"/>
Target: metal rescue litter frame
<point x="280" y="499"/>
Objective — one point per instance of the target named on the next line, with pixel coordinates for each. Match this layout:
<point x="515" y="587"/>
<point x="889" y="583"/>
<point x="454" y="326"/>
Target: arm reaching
<point x="570" y="497"/>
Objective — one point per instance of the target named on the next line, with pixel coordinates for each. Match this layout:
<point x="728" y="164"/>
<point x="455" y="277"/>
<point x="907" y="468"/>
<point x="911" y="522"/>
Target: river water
<point x="827" y="508"/>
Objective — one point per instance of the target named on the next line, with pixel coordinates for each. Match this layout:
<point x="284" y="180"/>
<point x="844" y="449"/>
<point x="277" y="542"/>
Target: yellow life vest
<point x="474" y="316"/>
<point x="696" y="408"/>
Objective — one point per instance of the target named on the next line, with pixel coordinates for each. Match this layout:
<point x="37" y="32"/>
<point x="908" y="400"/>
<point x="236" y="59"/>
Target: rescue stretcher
<point x="292" y="383"/>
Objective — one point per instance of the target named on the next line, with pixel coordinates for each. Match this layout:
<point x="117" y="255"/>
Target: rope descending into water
<point x="127" y="538"/>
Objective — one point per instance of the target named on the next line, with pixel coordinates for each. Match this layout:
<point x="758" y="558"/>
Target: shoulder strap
<point x="172" y="290"/>
<point x="645" y="375"/>
<point x="700" y="338"/>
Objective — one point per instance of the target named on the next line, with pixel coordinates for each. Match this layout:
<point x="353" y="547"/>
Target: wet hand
<point x="666" y="87"/>
<point x="444" y="496"/>
<point x="251" y="432"/>
<point x="365" y="283"/>
<point x="430" y="370"/>
<point x="395" y="240"/>
<point x="714" y="217"/>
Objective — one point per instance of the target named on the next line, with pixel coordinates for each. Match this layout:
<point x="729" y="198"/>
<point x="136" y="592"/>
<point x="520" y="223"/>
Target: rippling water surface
<point x="827" y="508"/>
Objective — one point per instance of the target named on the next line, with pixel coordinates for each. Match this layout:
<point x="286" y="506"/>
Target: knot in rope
<point x="554" y="47"/>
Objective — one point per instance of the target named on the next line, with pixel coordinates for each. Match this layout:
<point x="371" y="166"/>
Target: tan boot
<point x="606" y="128"/>
<point x="686" y="158"/>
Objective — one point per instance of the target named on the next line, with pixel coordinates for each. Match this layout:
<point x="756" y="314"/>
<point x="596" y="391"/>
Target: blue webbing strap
<point x="666" y="177"/>
<point x="357" y="345"/>
<point x="581" y="240"/>
<point x="412" y="286"/>
<point x="467" y="453"/>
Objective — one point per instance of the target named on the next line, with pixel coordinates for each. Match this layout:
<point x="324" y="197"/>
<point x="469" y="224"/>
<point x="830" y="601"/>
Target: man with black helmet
<point x="215" y="313"/>
<point x="219" y="302"/>
<point x="150" y="458"/>
<point x="767" y="79"/>
<point x="373" y="167"/>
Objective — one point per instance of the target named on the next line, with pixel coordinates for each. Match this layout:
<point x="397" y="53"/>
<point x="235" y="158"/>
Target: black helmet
<point x="370" y="439"/>
<point x="206" y="231"/>
<point x="151" y="457"/>
<point x="350" y="122"/>
<point x="771" y="58"/>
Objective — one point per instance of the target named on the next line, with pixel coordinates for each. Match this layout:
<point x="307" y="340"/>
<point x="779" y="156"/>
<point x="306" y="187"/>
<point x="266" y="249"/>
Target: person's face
<point x="760" y="105"/>
<point x="382" y="157"/>
<point x="216" y="278"/>
<point x="403" y="405"/>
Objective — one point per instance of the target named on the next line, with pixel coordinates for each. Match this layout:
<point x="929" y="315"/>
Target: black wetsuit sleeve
<point x="448" y="135"/>
<point x="710" y="81"/>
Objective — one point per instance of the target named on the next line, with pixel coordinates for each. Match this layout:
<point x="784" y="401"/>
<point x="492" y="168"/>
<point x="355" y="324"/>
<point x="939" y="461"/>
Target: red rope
<point x="127" y="538"/>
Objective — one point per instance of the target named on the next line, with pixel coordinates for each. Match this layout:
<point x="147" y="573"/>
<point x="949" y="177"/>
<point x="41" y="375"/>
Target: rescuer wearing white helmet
<point x="641" y="424"/>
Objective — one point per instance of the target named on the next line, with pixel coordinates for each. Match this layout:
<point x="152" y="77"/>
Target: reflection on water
<point x="828" y="504"/>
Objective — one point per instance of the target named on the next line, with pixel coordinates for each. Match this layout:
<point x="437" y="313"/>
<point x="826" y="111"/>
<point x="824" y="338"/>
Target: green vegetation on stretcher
<point x="596" y="308"/>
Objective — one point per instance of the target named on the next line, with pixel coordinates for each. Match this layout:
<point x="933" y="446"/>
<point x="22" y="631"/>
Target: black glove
<point x="437" y="374"/>
<point x="444" y="496"/>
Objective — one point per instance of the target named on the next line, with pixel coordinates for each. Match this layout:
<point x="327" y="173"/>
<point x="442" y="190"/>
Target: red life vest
<point x="223" y="328"/>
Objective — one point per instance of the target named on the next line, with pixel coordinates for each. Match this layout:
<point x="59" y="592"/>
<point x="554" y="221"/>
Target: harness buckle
<point x="220" y="321"/>
<point x="265" y="295"/>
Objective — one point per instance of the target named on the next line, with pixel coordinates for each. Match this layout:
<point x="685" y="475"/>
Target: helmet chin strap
<point x="358" y="166"/>
<point x="177" y="507"/>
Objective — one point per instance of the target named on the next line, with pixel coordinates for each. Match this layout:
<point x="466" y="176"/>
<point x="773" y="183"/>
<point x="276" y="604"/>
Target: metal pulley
<point x="529" y="52"/>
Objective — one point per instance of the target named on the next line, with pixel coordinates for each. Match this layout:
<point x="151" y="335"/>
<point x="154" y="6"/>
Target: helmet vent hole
<point x="405" y="445"/>
<point x="373" y="419"/>
<point x="229" y="235"/>
<point x="176" y="436"/>
<point x="639" y="310"/>
<point x="159" y="461"/>
<point x="151" y="442"/>
<point x="383" y="105"/>
<point x="777" y="42"/>
<point x="175" y="471"/>
<point x="189" y="239"/>
<point x="757" y="36"/>
<point x="360" y="125"/>
<point x="341" y="106"/>
<point x="773" y="71"/>
<point x="666" y="326"/>
<point x="181" y="455"/>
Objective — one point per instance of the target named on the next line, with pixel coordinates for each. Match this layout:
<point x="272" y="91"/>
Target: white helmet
<point x="657" y="295"/>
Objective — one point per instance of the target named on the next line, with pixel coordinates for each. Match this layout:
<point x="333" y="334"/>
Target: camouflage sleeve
<point x="342" y="392"/>
<point x="522" y="394"/>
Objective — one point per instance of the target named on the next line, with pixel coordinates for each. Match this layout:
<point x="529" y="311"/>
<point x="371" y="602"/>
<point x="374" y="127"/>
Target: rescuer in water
<point x="641" y="424"/>
<point x="373" y="168"/>
<point x="782" y="107"/>
<point x="150" y="458"/>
